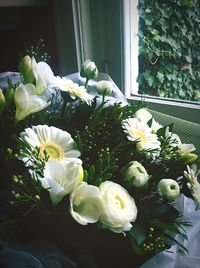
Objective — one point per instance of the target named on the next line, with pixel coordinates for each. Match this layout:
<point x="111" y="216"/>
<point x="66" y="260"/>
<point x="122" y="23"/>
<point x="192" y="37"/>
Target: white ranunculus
<point x="193" y="184"/>
<point x="43" y="75"/>
<point x="73" y="89"/>
<point x="89" y="70"/>
<point x="57" y="144"/>
<point x="60" y="178"/>
<point x="141" y="132"/>
<point x="169" y="189"/>
<point x="104" y="87"/>
<point x="136" y="174"/>
<point x="84" y="203"/>
<point x="117" y="209"/>
<point x="143" y="115"/>
<point x="27" y="101"/>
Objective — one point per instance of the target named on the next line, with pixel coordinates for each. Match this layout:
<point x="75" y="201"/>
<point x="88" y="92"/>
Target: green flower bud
<point x="136" y="174"/>
<point x="104" y="87"/>
<point x="9" y="96"/>
<point x="25" y="68"/>
<point x="169" y="189"/>
<point x="188" y="158"/>
<point x="89" y="70"/>
<point x="2" y="102"/>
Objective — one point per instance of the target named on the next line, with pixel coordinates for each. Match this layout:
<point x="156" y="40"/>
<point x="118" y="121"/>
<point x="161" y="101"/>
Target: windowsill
<point x="183" y="110"/>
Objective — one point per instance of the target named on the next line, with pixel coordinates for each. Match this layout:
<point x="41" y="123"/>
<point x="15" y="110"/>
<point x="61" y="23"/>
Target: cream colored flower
<point x="169" y="189"/>
<point x="27" y="101"/>
<point x="193" y="184"/>
<point x="56" y="143"/>
<point x="104" y="87"/>
<point x="43" y="75"/>
<point x="84" y="203"/>
<point x="141" y="132"/>
<point x="73" y="89"/>
<point x="155" y="126"/>
<point x="143" y="115"/>
<point x="117" y="209"/>
<point x="60" y="178"/>
<point x="136" y="174"/>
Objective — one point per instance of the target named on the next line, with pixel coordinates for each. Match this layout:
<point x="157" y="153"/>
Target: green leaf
<point x="138" y="232"/>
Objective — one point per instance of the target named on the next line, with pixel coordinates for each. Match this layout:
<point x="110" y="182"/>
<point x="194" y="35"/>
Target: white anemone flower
<point x="141" y="132"/>
<point x="28" y="102"/>
<point x="43" y="75"/>
<point x="73" y="89"/>
<point x="84" y="203"/>
<point x="60" y="178"/>
<point x="56" y="143"/>
<point x="193" y="184"/>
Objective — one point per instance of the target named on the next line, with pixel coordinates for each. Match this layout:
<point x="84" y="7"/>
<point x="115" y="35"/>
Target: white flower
<point x="185" y="150"/>
<point x="141" y="132"/>
<point x="117" y="209"/>
<point x="168" y="188"/>
<point x="58" y="144"/>
<point x="193" y="184"/>
<point x="104" y="87"/>
<point x="136" y="174"/>
<point x="84" y="203"/>
<point x="27" y="101"/>
<point x="155" y="126"/>
<point x="43" y="75"/>
<point x="73" y="89"/>
<point x="143" y="115"/>
<point x="89" y="70"/>
<point x="61" y="178"/>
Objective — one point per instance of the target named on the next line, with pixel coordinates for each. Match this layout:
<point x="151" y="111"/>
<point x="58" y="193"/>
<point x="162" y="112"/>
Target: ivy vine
<point x="169" y="48"/>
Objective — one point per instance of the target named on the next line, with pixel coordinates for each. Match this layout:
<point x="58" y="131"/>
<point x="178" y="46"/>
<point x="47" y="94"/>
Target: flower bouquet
<point x="85" y="171"/>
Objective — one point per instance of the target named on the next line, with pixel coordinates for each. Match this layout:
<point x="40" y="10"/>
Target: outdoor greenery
<point x="169" y="48"/>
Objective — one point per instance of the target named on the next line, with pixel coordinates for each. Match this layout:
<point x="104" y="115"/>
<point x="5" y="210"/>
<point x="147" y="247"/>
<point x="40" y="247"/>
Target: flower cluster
<point x="114" y="164"/>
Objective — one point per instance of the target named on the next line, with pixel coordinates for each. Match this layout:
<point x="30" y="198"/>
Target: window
<point x="186" y="110"/>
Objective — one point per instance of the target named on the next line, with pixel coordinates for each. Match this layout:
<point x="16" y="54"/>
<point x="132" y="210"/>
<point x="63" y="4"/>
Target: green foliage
<point x="169" y="48"/>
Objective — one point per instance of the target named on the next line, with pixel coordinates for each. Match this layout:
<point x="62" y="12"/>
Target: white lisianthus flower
<point x="27" y="101"/>
<point x="104" y="87"/>
<point x="136" y="174"/>
<point x="117" y="209"/>
<point x="89" y="70"/>
<point x="141" y="132"/>
<point x="84" y="203"/>
<point x="155" y="126"/>
<point x="43" y="75"/>
<point x="60" y="178"/>
<point x="169" y="189"/>
<point x="193" y="184"/>
<point x="73" y="89"/>
<point x="143" y="115"/>
<point x="56" y="143"/>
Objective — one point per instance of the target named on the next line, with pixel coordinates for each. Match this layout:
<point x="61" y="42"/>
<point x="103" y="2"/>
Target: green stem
<point x="86" y="83"/>
<point x="64" y="107"/>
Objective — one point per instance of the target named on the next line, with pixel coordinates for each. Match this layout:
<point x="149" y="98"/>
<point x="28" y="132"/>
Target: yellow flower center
<point x="53" y="150"/>
<point x="119" y="202"/>
<point x="140" y="135"/>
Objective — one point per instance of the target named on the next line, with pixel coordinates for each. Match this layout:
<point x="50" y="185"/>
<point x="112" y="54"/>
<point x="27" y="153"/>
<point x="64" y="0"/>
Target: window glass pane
<point x="169" y="49"/>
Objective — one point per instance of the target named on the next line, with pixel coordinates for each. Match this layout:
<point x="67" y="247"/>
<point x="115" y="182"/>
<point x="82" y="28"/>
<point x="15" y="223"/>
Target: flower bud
<point x="136" y="174"/>
<point x="9" y="96"/>
<point x="168" y="188"/>
<point x="89" y="70"/>
<point x="104" y="87"/>
<point x="188" y="158"/>
<point x="2" y="102"/>
<point x="25" y="68"/>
